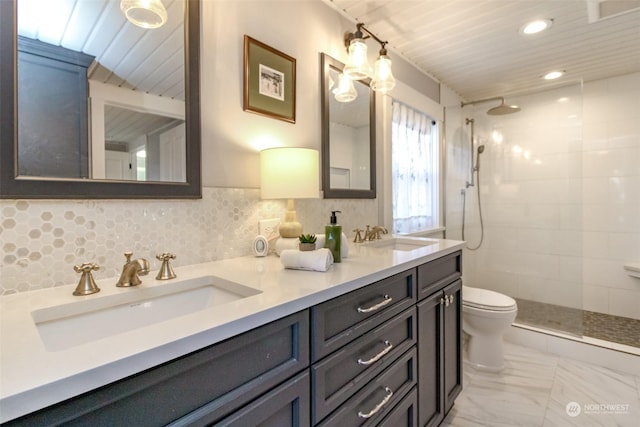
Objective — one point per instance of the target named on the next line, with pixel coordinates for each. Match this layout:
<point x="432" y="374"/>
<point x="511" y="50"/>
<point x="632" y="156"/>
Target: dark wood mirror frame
<point x="327" y="62"/>
<point x="12" y="187"/>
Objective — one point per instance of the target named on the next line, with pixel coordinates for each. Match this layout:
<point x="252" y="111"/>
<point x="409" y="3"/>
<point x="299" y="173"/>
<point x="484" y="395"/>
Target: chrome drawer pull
<point x="387" y="349"/>
<point x="387" y="299"/>
<point x="379" y="406"/>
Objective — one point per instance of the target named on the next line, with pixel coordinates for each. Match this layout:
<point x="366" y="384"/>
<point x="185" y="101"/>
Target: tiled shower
<point x="560" y="193"/>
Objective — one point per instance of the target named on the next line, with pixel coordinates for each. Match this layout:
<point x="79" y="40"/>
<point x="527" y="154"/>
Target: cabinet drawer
<point x="223" y="377"/>
<point x="405" y="413"/>
<point x="339" y="375"/>
<point x="345" y="318"/>
<point x="286" y="406"/>
<point x="368" y="406"/>
<point x="435" y="274"/>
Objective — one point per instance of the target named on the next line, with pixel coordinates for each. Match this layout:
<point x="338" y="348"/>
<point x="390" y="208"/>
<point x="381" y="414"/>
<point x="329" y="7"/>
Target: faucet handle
<point x="358" y="237"/>
<point x="86" y="285"/>
<point x="166" y="272"/>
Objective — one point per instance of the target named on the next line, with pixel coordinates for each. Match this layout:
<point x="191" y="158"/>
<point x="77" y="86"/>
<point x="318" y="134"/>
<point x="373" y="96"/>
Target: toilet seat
<point x="484" y="299"/>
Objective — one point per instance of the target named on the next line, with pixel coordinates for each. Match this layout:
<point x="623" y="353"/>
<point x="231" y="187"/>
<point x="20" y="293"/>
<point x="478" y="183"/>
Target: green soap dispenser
<point x="333" y="236"/>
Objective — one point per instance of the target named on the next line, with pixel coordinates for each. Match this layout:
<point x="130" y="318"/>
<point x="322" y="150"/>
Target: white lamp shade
<point x="289" y="173"/>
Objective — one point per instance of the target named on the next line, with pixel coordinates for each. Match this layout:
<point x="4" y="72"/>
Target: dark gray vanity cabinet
<point x="287" y="405"/>
<point x="439" y="338"/>
<point x="260" y="374"/>
<point x="363" y="353"/>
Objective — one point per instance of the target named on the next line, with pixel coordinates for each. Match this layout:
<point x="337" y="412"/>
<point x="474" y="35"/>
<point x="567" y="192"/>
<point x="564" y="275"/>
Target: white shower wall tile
<point x="42" y="240"/>
<point x="563" y="182"/>
<point x="624" y="246"/>
<point x="625" y="303"/>
<point x="595" y="298"/>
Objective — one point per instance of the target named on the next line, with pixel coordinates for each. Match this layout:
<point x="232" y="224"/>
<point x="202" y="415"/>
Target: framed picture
<point x="269" y="81"/>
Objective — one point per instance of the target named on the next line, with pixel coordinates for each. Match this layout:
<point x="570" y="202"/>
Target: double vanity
<point x="376" y="340"/>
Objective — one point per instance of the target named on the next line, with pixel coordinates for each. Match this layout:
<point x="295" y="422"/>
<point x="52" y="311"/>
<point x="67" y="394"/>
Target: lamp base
<point x="290" y="227"/>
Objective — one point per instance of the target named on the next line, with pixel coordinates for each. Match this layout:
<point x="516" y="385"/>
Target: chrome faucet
<point x="132" y="270"/>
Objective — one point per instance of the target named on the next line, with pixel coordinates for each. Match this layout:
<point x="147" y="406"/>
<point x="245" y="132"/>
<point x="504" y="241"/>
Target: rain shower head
<point x="503" y="109"/>
<point x="500" y="110"/>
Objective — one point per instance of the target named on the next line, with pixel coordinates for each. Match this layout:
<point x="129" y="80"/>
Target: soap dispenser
<point x="333" y="236"/>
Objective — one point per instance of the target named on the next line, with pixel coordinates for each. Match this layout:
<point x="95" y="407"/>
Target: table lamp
<point x="289" y="173"/>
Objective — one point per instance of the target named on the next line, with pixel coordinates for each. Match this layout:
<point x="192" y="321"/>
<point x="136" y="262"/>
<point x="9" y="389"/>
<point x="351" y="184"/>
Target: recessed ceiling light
<point x="536" y="26"/>
<point x="553" y="75"/>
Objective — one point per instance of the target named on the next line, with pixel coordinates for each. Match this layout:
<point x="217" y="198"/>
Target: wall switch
<point x="269" y="227"/>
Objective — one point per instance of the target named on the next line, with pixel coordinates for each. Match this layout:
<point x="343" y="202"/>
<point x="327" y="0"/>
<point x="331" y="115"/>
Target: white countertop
<point x="32" y="377"/>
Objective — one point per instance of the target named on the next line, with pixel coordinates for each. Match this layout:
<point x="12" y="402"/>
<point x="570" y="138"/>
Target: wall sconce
<point x="358" y="67"/>
<point x="289" y="173"/>
<point x="147" y="14"/>
<point x="345" y="91"/>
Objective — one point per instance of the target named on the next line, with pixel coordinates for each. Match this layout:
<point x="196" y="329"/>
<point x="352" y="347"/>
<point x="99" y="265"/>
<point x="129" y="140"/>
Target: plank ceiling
<point x="475" y="48"/>
<point x="128" y="56"/>
<point x="472" y="46"/>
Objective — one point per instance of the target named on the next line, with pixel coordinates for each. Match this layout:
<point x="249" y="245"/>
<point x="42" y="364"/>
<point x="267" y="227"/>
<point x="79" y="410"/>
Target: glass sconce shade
<point x="383" y="79"/>
<point x="345" y="92"/>
<point x="147" y="14"/>
<point x="357" y="67"/>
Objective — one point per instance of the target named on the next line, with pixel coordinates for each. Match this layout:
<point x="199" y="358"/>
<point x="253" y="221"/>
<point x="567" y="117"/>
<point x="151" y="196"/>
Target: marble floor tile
<point x="558" y="415"/>
<point x="606" y="397"/>
<point x="544" y="390"/>
<point x="496" y="404"/>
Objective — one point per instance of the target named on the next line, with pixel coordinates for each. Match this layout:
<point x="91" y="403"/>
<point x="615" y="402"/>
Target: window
<point x="414" y="168"/>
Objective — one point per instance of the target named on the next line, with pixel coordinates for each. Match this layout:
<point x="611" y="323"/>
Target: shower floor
<point x="621" y="330"/>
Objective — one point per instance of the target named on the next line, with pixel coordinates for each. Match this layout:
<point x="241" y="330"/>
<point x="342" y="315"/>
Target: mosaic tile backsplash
<point x="41" y="241"/>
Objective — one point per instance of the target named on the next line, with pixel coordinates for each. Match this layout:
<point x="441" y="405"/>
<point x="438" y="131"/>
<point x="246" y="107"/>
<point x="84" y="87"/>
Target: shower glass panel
<point x="530" y="182"/>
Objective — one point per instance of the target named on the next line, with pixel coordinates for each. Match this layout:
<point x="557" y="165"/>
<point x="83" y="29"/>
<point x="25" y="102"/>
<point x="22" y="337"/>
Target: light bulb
<point x="147" y="14"/>
<point x="357" y="67"/>
<point x="383" y="79"/>
<point x="346" y="91"/>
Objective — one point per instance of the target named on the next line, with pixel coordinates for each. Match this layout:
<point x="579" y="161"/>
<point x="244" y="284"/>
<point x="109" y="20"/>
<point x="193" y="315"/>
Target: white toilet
<point x="485" y="317"/>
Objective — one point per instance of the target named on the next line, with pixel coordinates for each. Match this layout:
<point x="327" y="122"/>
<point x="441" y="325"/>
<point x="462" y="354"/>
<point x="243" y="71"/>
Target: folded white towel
<point x="344" y="244"/>
<point x="318" y="260"/>
<point x="283" y="243"/>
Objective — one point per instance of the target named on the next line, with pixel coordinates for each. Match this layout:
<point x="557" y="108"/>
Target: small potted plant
<point x="307" y="242"/>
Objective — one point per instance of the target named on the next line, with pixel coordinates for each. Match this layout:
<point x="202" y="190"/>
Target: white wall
<point x="560" y="189"/>
<point x="232" y="137"/>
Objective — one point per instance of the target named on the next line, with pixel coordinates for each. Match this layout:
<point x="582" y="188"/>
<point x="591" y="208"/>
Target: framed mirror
<point x="93" y="106"/>
<point x="348" y="134"/>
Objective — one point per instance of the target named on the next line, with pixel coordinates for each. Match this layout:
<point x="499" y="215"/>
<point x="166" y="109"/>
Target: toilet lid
<point x="486" y="299"/>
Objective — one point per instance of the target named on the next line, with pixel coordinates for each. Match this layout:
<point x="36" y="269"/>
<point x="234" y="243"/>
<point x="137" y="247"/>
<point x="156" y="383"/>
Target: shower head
<point x="500" y="110"/>
<point x="480" y="149"/>
<point x="503" y="109"/>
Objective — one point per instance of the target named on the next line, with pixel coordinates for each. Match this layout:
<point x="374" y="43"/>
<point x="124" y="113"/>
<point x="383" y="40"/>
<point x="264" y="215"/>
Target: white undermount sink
<point x="402" y="243"/>
<point x="68" y="325"/>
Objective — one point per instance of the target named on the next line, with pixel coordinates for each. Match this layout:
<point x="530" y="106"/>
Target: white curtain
<point x="414" y="154"/>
